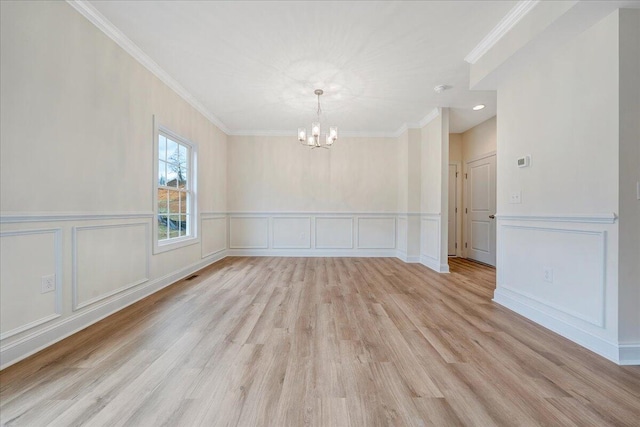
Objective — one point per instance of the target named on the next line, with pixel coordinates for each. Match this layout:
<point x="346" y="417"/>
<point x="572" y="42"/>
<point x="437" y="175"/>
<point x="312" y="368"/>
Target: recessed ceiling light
<point x="478" y="107"/>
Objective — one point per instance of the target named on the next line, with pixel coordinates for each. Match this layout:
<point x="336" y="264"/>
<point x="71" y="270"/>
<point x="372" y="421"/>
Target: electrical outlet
<point x="48" y="283"/>
<point x="547" y="274"/>
<point x="515" y="197"/>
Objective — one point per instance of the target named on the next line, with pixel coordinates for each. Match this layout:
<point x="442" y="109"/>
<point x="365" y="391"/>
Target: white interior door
<point x="480" y="210"/>
<point x="453" y="194"/>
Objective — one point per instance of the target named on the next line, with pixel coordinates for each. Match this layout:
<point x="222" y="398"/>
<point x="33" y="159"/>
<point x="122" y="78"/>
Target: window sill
<point x="166" y="246"/>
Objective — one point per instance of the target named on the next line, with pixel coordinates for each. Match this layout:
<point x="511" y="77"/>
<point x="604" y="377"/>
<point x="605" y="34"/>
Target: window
<point x="174" y="191"/>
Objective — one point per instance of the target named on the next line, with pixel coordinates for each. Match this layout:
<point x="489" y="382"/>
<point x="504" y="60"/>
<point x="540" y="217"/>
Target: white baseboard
<point x="315" y="253"/>
<point x="629" y="354"/>
<point x="34" y="342"/>
<point x="434" y="264"/>
<point x="596" y="344"/>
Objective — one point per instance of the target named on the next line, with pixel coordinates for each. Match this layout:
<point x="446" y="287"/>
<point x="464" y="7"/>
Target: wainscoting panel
<point x="403" y="224"/>
<point x="108" y="259"/>
<point x="27" y="255"/>
<point x="431" y="238"/>
<point x="334" y="232"/>
<point x="560" y="268"/>
<point x="214" y="235"/>
<point x="248" y="232"/>
<point x="376" y="233"/>
<point x="291" y="232"/>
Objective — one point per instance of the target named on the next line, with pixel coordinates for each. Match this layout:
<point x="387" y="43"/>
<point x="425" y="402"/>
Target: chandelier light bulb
<point x="314" y="140"/>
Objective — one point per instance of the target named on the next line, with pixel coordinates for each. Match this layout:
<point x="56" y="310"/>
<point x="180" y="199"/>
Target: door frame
<point x="459" y="205"/>
<point x="465" y="202"/>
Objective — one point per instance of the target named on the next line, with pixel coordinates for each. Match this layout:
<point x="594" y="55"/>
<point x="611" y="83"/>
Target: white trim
<point x="629" y="354"/>
<point x="332" y="248"/>
<point x="577" y="218"/>
<point x="600" y="322"/>
<point x="273" y="232"/>
<point x="75" y="305"/>
<point x="395" y="231"/>
<point x="206" y="217"/>
<point x="57" y="254"/>
<point x="314" y="253"/>
<point x="36" y="341"/>
<point x="519" y="11"/>
<point x="596" y="344"/>
<point x="265" y="217"/>
<point x="482" y="156"/>
<point x="87" y="10"/>
<point x="17" y="217"/>
<point x="431" y="115"/>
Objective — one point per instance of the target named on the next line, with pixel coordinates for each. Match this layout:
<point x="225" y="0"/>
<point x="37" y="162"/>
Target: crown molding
<point x="519" y="11"/>
<point x="87" y="10"/>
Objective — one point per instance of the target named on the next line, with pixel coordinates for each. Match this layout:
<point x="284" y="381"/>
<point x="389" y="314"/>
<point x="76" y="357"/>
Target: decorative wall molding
<point x="515" y="15"/>
<point x="315" y="253"/>
<point x="346" y="218"/>
<point x="18" y="217"/>
<point x="362" y="237"/>
<point x="599" y="320"/>
<point x="576" y="218"/>
<point x="212" y="217"/>
<point x="76" y="304"/>
<point x="32" y="343"/>
<point x="275" y="239"/>
<point x="236" y="219"/>
<point x="102" y="23"/>
<point x="57" y="306"/>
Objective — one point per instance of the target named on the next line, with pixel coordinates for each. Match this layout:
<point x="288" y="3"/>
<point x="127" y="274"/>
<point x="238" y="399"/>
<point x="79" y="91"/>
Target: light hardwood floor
<point x="320" y="341"/>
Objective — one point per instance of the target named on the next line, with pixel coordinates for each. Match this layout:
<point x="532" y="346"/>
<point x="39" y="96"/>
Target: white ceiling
<point x="255" y="65"/>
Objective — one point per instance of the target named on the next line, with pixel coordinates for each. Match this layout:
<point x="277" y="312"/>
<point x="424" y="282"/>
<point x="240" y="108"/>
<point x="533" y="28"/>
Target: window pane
<point x="182" y="177"/>
<point x="174" y="226"/>
<point x="162" y="201"/>
<point x="172" y="150"/>
<point x="172" y="175"/>
<point x="187" y="225"/>
<point x="162" y="227"/>
<point x="162" y="173"/>
<point x="183" y="225"/>
<point x="183" y="203"/>
<point x="173" y="201"/>
<point x="162" y="148"/>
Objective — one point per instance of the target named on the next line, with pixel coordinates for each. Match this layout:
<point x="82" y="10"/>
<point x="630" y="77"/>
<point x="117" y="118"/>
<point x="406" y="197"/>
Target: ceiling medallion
<point x="314" y="140"/>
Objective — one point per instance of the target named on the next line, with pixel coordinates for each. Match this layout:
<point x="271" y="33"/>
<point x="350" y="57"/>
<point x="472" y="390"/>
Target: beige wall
<point x="455" y="148"/>
<point x="76" y="160"/>
<point x="278" y="174"/>
<point x="562" y="109"/>
<point x="479" y="140"/>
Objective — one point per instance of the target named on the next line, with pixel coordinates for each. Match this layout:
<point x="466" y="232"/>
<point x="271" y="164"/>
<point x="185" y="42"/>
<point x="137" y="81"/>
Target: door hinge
<point x="465" y="210"/>
<point x="456" y="246"/>
<point x="465" y="176"/>
<point x="456" y="210"/>
<point x="465" y="244"/>
<point x="456" y="174"/>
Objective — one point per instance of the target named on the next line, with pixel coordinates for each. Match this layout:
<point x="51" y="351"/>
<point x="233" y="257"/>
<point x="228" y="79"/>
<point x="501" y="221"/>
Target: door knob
<point x="492" y="216"/>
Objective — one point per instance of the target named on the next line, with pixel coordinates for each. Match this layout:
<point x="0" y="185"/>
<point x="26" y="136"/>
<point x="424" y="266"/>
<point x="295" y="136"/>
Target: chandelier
<point x="314" y="140"/>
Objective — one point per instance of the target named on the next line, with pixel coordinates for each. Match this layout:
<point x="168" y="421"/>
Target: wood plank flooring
<point x="321" y="342"/>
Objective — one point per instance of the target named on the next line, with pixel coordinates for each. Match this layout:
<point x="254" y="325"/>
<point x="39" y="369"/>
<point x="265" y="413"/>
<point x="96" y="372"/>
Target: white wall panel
<point x="377" y="233"/>
<point x="402" y="234"/>
<point x="108" y="259"/>
<point x="291" y="232"/>
<point x="26" y="257"/>
<point x="214" y="235"/>
<point x="334" y="233"/>
<point x="577" y="262"/>
<point x="431" y="238"/>
<point x="248" y="232"/>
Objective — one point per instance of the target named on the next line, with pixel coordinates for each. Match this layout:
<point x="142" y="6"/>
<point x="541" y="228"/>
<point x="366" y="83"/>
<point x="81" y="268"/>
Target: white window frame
<point x="160" y="246"/>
